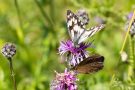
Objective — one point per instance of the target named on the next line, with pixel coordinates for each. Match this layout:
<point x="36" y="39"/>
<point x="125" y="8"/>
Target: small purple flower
<point x="76" y="54"/>
<point x="8" y="50"/>
<point x="132" y="29"/>
<point x="129" y="16"/>
<point x="64" y="81"/>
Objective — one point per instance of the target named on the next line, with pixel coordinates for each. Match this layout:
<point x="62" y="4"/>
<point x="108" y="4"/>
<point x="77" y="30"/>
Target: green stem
<point x="20" y="29"/>
<point x="18" y="13"/>
<point x="12" y="73"/>
<point x="131" y="60"/>
<point x="43" y="13"/>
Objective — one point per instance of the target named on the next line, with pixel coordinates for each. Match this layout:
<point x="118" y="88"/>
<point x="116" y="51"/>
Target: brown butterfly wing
<point x="91" y="64"/>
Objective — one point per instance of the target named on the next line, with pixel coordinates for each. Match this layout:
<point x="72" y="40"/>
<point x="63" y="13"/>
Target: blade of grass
<point x="123" y="45"/>
<point x="44" y="13"/>
<point x="18" y="13"/>
<point x="19" y="30"/>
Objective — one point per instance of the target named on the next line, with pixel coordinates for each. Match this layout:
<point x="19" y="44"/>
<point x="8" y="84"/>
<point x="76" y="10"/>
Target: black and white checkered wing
<point x="75" y="26"/>
<point x="89" y="33"/>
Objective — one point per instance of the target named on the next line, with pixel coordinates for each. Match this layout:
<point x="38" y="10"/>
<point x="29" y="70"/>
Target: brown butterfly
<point x="91" y="64"/>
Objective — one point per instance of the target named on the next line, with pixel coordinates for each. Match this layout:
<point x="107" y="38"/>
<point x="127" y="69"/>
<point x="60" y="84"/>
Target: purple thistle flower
<point x="132" y="29"/>
<point x="64" y="81"/>
<point x="76" y="54"/>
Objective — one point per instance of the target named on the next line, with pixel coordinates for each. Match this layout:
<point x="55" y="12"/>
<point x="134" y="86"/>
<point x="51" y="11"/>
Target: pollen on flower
<point x="64" y="81"/>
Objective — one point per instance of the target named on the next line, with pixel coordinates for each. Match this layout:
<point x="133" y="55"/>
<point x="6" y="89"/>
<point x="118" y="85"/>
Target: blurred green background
<point x="37" y="27"/>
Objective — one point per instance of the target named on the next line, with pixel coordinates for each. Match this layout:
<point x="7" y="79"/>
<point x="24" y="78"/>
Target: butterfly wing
<point x="75" y="26"/>
<point x="89" y="33"/>
<point x="91" y="64"/>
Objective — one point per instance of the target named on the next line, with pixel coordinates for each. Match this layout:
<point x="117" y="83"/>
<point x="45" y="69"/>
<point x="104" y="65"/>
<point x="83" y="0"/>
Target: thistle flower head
<point x="76" y="54"/>
<point x="132" y="29"/>
<point x="64" y="81"/>
<point x="8" y="50"/>
<point x="68" y="46"/>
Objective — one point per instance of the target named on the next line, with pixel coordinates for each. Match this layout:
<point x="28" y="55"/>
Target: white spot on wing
<point x="70" y="23"/>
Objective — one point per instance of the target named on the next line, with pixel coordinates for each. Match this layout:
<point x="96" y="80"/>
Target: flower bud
<point x="8" y="50"/>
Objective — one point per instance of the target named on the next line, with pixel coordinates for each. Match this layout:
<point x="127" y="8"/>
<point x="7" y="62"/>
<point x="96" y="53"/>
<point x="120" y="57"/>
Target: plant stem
<point x="12" y="73"/>
<point x="43" y="13"/>
<point x="18" y="13"/>
<point x="131" y="60"/>
<point x="19" y="30"/>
